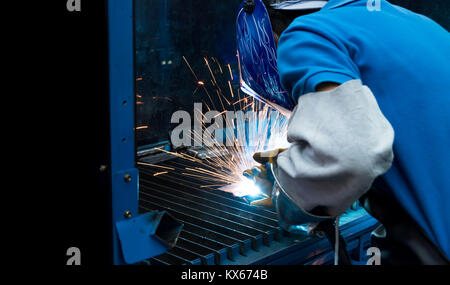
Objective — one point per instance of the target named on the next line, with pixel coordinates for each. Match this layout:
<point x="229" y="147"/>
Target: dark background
<point x="73" y="194"/>
<point x="70" y="196"/>
<point x="438" y="10"/>
<point x="166" y="30"/>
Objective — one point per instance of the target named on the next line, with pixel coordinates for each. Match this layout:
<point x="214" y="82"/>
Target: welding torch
<point x="262" y="175"/>
<point x="264" y="178"/>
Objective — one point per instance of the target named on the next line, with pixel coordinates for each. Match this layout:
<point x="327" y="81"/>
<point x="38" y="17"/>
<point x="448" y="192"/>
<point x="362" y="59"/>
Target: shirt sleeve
<point x="340" y="142"/>
<point x="308" y="54"/>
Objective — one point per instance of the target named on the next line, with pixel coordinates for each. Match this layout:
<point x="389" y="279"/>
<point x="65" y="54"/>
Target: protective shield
<point x="257" y="58"/>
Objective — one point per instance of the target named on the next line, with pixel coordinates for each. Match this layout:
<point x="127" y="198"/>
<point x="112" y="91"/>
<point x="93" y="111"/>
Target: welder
<point x="354" y="73"/>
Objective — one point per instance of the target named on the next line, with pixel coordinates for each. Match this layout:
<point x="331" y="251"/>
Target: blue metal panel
<point x="136" y="238"/>
<point x="147" y="235"/>
<point x="121" y="82"/>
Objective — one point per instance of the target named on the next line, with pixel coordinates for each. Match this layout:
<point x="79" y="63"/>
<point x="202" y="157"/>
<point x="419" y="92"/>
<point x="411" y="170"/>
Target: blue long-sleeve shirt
<point x="404" y="58"/>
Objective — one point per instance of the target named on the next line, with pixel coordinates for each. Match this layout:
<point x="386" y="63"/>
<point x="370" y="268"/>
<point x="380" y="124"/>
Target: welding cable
<point x="336" y="242"/>
<point x="331" y="230"/>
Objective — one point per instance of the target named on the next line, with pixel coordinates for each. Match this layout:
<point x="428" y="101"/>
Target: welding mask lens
<point x="257" y="57"/>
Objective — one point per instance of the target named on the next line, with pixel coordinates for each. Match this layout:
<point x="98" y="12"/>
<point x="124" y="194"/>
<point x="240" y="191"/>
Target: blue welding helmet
<point x="257" y="53"/>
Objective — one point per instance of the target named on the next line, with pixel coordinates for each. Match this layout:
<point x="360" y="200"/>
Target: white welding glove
<point x="340" y="142"/>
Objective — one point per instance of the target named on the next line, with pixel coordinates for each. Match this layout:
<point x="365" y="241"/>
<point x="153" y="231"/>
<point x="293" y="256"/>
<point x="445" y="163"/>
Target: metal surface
<point x="121" y="85"/>
<point x="222" y="229"/>
<point x="147" y="235"/>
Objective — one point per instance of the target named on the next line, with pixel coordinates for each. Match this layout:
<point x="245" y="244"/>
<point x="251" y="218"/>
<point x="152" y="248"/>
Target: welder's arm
<point x="340" y="142"/>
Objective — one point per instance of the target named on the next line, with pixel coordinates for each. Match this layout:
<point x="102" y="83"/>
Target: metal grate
<point x="218" y="227"/>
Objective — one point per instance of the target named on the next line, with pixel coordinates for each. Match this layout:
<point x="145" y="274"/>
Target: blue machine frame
<point x="124" y="175"/>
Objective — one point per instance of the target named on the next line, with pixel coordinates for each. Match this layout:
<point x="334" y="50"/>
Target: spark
<point x="218" y="64"/>
<point x="231" y="73"/>
<point x="141" y="127"/>
<point x="222" y="168"/>
<point x="193" y="73"/>
<point x="240" y="100"/>
<point x="220" y="114"/>
<point x="231" y="89"/>
<point x="209" y="68"/>
<point x="155" y="165"/>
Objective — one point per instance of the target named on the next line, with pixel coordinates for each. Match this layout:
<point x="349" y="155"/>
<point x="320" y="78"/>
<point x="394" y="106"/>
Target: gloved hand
<point x="262" y="175"/>
<point x="264" y="179"/>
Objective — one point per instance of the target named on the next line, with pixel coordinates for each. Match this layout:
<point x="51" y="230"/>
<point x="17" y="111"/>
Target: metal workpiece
<point x="147" y="235"/>
<point x="168" y="228"/>
<point x="220" y="228"/>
